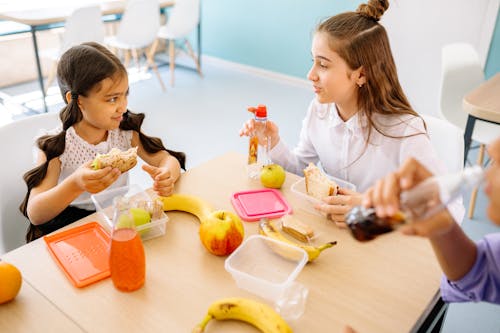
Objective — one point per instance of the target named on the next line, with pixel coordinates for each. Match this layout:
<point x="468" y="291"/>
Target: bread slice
<point x="318" y="185"/>
<point x="297" y="229"/>
<point x="123" y="160"/>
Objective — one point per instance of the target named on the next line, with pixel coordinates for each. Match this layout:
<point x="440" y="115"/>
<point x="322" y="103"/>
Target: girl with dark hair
<point x="360" y="126"/>
<point x="94" y="86"/>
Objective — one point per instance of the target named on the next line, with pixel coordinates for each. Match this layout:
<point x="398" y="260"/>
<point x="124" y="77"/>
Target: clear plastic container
<point x="299" y="188"/>
<point x="103" y="202"/>
<point x="268" y="268"/>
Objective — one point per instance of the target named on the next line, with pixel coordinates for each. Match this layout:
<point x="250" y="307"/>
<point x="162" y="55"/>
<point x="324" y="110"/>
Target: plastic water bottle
<point x="258" y="147"/>
<point x="421" y="202"/>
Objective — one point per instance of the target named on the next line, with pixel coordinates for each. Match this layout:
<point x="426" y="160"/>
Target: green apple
<point x="139" y="217"/>
<point x="272" y="175"/>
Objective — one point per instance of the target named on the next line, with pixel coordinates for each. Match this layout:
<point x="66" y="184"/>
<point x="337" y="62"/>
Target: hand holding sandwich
<point x="336" y="206"/>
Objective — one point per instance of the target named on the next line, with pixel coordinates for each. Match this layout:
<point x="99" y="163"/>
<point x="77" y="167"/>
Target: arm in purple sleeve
<point x="482" y="282"/>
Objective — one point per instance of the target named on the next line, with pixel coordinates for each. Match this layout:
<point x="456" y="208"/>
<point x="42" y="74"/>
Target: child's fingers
<point x="152" y="170"/>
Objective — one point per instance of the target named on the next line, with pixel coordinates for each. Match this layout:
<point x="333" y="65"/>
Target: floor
<point x="202" y="117"/>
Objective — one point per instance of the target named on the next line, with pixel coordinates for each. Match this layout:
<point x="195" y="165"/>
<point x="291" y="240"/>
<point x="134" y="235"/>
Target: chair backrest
<point x="183" y="18"/>
<point x="84" y="25"/>
<point x="448" y="142"/>
<point x="139" y="24"/>
<point x="461" y="72"/>
<point x="17" y="149"/>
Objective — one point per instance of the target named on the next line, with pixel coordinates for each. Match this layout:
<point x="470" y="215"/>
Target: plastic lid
<point x="260" y="111"/>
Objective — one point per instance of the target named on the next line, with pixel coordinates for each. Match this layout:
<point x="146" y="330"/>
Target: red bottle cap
<point x="260" y="111"/>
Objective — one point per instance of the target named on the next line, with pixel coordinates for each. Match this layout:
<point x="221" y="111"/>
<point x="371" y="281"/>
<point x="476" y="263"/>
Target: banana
<point x="267" y="228"/>
<point x="260" y="315"/>
<point x="187" y="203"/>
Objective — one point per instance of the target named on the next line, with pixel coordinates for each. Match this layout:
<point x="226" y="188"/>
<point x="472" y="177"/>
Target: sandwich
<point x="296" y="228"/>
<point x="318" y="185"/>
<point x="123" y="160"/>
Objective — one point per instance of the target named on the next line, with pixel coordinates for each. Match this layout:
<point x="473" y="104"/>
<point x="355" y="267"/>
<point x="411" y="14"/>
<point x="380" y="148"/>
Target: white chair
<point x="17" y="148"/>
<point x="137" y="31"/>
<point x="448" y="141"/>
<point x="461" y="73"/>
<point x="84" y="25"/>
<point x="182" y="20"/>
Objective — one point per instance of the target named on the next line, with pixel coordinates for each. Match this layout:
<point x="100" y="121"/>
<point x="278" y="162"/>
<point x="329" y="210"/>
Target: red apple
<point x="221" y="232"/>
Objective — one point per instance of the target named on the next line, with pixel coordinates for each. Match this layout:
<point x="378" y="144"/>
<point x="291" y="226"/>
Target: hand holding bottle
<point x="414" y="189"/>
<point x="271" y="131"/>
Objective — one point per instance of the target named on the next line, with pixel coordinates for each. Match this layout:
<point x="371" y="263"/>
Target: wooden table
<point x="32" y="312"/>
<point x="483" y="103"/>
<point x="380" y="286"/>
<point x="39" y="14"/>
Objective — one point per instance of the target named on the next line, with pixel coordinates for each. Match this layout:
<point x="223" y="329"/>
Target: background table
<point x="37" y="15"/>
<point x="380" y="286"/>
<point x="483" y="103"/>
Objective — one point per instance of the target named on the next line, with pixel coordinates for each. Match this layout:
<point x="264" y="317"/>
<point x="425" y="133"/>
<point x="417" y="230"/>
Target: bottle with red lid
<point x="258" y="147"/>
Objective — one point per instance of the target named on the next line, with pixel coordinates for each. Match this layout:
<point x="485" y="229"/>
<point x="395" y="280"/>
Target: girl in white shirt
<point x="360" y="126"/>
<point x="94" y="85"/>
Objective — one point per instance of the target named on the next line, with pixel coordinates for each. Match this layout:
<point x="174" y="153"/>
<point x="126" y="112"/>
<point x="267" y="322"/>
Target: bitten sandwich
<point x="123" y="160"/>
<point x="318" y="185"/>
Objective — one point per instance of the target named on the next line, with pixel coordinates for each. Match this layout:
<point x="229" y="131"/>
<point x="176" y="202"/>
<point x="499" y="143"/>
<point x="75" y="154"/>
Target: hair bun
<point x="374" y="9"/>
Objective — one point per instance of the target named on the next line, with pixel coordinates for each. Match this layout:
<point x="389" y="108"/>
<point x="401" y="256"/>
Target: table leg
<point x="469" y="128"/>
<point x="38" y="66"/>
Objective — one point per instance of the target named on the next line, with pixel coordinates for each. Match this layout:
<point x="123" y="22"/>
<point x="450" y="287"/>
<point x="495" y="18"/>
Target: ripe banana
<point x="267" y="228"/>
<point x="255" y="313"/>
<point x="187" y="203"/>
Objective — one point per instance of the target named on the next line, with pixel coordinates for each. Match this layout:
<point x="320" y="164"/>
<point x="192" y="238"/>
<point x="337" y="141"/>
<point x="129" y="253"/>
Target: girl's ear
<point x="359" y="76"/>
<point x="68" y="96"/>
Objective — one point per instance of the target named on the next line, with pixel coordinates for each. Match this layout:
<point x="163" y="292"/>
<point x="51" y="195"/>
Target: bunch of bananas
<point x="269" y="229"/>
<point x="260" y="315"/>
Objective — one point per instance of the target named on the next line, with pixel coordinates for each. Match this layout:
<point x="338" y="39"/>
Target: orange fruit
<point x="10" y="281"/>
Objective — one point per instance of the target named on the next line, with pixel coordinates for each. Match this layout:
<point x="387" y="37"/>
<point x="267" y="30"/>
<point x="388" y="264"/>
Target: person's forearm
<point x="455" y="252"/>
<point x="46" y="205"/>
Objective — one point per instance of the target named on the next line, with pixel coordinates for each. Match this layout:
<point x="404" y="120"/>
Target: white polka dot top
<point x="78" y="151"/>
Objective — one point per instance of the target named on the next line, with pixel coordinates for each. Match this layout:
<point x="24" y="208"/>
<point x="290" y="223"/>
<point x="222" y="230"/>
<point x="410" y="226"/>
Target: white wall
<point x="419" y="28"/>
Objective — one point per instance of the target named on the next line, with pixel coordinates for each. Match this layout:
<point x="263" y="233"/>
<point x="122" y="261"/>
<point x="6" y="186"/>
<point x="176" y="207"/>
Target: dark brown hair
<point x="361" y="41"/>
<point x="80" y="69"/>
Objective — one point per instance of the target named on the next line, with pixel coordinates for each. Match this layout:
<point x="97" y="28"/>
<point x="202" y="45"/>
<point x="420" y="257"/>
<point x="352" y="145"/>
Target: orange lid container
<point x="82" y="253"/>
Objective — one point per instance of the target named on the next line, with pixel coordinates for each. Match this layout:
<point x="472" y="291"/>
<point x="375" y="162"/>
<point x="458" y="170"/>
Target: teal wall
<point x="271" y="34"/>
<point x="493" y="62"/>
<point x="276" y="34"/>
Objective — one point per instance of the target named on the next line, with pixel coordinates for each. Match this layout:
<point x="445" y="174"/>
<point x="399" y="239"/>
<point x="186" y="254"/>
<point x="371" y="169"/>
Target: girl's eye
<point x="112" y="100"/>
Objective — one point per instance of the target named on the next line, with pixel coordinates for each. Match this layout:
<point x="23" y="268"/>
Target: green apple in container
<point x="272" y="176"/>
<point x="138" y="215"/>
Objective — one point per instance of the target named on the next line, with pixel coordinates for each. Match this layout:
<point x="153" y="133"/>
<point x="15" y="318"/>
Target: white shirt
<point x="340" y="147"/>
<point x="77" y="151"/>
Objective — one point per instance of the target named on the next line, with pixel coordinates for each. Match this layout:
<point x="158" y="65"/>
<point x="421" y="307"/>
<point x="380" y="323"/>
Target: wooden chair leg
<point x="151" y="62"/>
<point x="192" y="55"/>
<point x="52" y="76"/>
<point x="126" y="61"/>
<point x="135" y="56"/>
<point x="171" y="49"/>
<point x="473" y="197"/>
<point x="150" y="56"/>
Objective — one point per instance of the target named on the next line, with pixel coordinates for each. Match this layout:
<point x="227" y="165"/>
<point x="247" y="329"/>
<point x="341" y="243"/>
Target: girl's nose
<point x="311" y="76"/>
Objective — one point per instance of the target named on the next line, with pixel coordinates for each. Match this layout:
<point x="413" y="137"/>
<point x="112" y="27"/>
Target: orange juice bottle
<point x="127" y="261"/>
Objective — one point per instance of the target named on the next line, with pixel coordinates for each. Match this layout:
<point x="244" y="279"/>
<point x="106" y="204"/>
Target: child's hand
<point x="94" y="181"/>
<point x="163" y="182"/>
<point x="337" y="206"/>
<point x="271" y="131"/>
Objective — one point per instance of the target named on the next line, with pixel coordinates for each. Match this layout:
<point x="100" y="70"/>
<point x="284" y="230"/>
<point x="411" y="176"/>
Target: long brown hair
<point x="80" y="69"/>
<point x="361" y="41"/>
